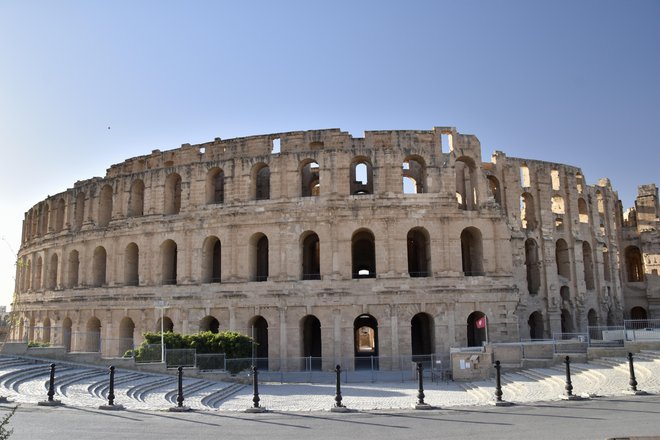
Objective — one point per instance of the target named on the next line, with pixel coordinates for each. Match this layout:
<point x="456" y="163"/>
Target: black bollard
<point x="111" y="392"/>
<point x="51" y="390"/>
<point x="255" y="391"/>
<point x="633" y="381"/>
<point x="420" y="388"/>
<point x="498" y="382"/>
<point x="338" y="403"/>
<point x="569" y="385"/>
<point x="179" y="397"/>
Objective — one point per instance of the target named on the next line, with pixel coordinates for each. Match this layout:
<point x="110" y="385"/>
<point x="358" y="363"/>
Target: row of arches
<point x="363" y="258"/>
<point x="528" y="215"/>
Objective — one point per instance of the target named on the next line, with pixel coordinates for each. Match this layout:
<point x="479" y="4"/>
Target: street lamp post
<point x="162" y="305"/>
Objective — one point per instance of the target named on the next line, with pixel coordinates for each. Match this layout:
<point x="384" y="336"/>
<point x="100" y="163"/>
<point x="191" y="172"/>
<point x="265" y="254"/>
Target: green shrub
<point x="232" y="344"/>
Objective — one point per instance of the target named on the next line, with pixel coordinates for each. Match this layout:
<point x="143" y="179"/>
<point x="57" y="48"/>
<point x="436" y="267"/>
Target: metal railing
<point x="642" y="329"/>
<point x="606" y="336"/>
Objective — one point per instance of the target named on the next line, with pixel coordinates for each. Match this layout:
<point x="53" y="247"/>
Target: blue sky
<point x="574" y="82"/>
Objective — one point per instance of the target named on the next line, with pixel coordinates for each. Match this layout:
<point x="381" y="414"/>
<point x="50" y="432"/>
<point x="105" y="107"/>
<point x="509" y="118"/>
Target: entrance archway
<point x="535" y="323"/>
<point x="311" y="338"/>
<point x="259" y="327"/>
<point x="365" y="331"/>
<point x="421" y="337"/>
<point x="477" y="332"/>
<point x="93" y="335"/>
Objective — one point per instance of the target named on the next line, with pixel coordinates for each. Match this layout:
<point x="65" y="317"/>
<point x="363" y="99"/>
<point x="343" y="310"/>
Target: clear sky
<point x="575" y="82"/>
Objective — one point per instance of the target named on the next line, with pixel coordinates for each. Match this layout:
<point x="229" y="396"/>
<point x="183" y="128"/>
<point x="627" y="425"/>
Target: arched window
<point x="259" y="257"/>
<point x="582" y="211"/>
<point x="259" y="327"/>
<point x="168" y="325"/>
<point x="494" y="187"/>
<point x="477" y="332"/>
<point x="525" y="180"/>
<point x="46" y="335"/>
<point x="361" y="176"/>
<point x="634" y="264"/>
<point x="136" y="199"/>
<point x="554" y="177"/>
<point x="99" y="266"/>
<point x="579" y="182"/>
<point x="365" y="331"/>
<point x="126" y="335"/>
<point x="74" y="267"/>
<point x="105" y="206"/>
<point x="557" y="205"/>
<point x="418" y="253"/>
<point x="588" y="265"/>
<point x="472" y="252"/>
<point x="532" y="265"/>
<point x="92" y="335"/>
<point x="212" y="260"/>
<point x="638" y="313"/>
<point x="311" y="257"/>
<point x="311" y="342"/>
<point x="413" y="172"/>
<point x="261" y="179"/>
<point x="172" y="194"/>
<point x="132" y="265"/>
<point x="168" y="251"/>
<point x="527" y="212"/>
<point x="52" y="272"/>
<point x="363" y="251"/>
<point x="562" y="259"/>
<point x="80" y="210"/>
<point x="309" y="179"/>
<point x="565" y="294"/>
<point x="466" y="183"/>
<point x="59" y="216"/>
<point x="422" y="338"/>
<point x="66" y="334"/>
<point x="535" y="324"/>
<point x="215" y="186"/>
<point x="209" y="324"/>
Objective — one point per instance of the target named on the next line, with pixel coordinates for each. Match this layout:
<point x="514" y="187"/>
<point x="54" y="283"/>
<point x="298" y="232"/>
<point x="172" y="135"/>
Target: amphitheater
<point x="331" y="247"/>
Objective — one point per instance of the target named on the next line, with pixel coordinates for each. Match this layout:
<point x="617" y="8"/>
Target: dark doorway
<point x="311" y="336"/>
<point x="259" y="327"/>
<point x="365" y="330"/>
<point x="421" y="338"/>
<point x="477" y="332"/>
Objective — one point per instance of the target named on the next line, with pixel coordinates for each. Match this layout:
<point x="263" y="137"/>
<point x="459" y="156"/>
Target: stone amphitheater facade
<point x="326" y="245"/>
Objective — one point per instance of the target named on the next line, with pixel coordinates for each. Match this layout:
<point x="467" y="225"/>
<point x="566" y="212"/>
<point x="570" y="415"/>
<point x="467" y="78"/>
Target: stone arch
<point x="168" y="325"/>
<point x="259" y="327"/>
<point x="212" y="260"/>
<point x="132" y="265"/>
<point x="310" y="185"/>
<point x="209" y="324"/>
<point x="59" y="215"/>
<point x="527" y="211"/>
<point x="365" y="331"/>
<point x="532" y="265"/>
<point x="43" y="218"/>
<point x="99" y="264"/>
<point x="557" y="205"/>
<point x="566" y="322"/>
<point x="53" y="269"/>
<point x="588" y="265"/>
<point x="592" y="318"/>
<point x="45" y="337"/>
<point x="363" y="252"/>
<point x="136" y="199"/>
<point x="310" y="329"/>
<point x="422" y="337"/>
<point x="361" y="176"/>
<point x="92" y="335"/>
<point x="583" y="212"/>
<point x="535" y="325"/>
<point x="169" y="262"/>
<point x="477" y="329"/>
<point x="472" y="252"/>
<point x="105" y="206"/>
<point x="638" y="313"/>
<point x="634" y="264"/>
<point x="413" y="172"/>
<point x="126" y="335"/>
<point x="261" y="181"/>
<point x="66" y="333"/>
<point x="215" y="186"/>
<point x="38" y="270"/>
<point x="562" y="258"/>
<point x="466" y="183"/>
<point x="419" y="252"/>
<point x="495" y="188"/>
<point x="259" y="255"/>
<point x="172" y="202"/>
<point x="311" y="256"/>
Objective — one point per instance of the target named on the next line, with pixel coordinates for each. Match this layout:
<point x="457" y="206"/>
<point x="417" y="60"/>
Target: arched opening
<point x="477" y="329"/>
<point x="554" y="177"/>
<point x="59" y="216"/>
<point x="209" y="324"/>
<point x="638" y="313"/>
<point x="535" y="324"/>
<point x="592" y="318"/>
<point x="311" y="260"/>
<point x="309" y="179"/>
<point x="74" y="268"/>
<point x="212" y="260"/>
<point x="418" y="253"/>
<point x="172" y="194"/>
<point x="126" y="334"/>
<point x="311" y="337"/>
<point x="562" y="258"/>
<point x="532" y="265"/>
<point x="579" y="182"/>
<point x="93" y="335"/>
<point x="80" y="210"/>
<point x="413" y="172"/>
<point x="105" y="206"/>
<point x="45" y="337"/>
<point x="472" y="252"/>
<point x="168" y="325"/>
<point x="215" y="186"/>
<point x="634" y="264"/>
<point x="259" y="257"/>
<point x="466" y="183"/>
<point x="527" y="213"/>
<point x="566" y="321"/>
<point x="131" y="265"/>
<point x="136" y="199"/>
<point x="365" y="330"/>
<point x="261" y="178"/>
<point x="557" y="205"/>
<point x="583" y="212"/>
<point x="66" y="334"/>
<point x="259" y="327"/>
<point x="363" y="252"/>
<point x="361" y="177"/>
<point x="565" y="294"/>
<point x="494" y="187"/>
<point x="588" y="266"/>
<point x="525" y="180"/>
<point x="422" y="338"/>
<point x="99" y="263"/>
<point x="169" y="257"/>
<point x="52" y="272"/>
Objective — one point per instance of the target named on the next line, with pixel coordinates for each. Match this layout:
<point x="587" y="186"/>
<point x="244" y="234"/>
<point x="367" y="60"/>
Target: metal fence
<point x="642" y="329"/>
<point x="606" y="336"/>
